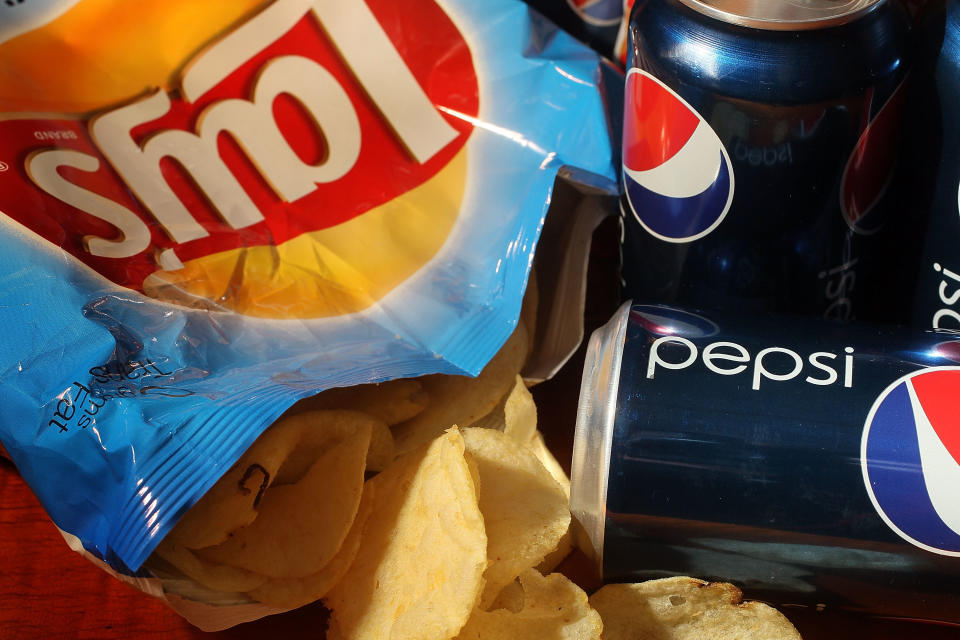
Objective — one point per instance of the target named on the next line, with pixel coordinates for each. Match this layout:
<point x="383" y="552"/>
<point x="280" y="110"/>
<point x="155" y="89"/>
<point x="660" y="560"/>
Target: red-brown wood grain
<point x="49" y="592"/>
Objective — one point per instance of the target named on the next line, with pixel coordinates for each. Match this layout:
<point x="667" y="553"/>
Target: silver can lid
<point x="784" y="15"/>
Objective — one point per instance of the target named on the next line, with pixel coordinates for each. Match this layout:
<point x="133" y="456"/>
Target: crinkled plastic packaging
<point x="212" y="209"/>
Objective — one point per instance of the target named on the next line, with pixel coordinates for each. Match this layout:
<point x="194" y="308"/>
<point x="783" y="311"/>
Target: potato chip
<point x="462" y="400"/>
<point x="516" y="416"/>
<point x="233" y="500"/>
<point x="282" y="454"/>
<point x="178" y="589"/>
<point x="289" y="593"/>
<point x="213" y="576"/>
<point x="494" y="419"/>
<point x="301" y="526"/>
<point x="520" y="413"/>
<point x="686" y="609"/>
<point x="510" y="597"/>
<point x="553" y="608"/>
<point x="553" y="559"/>
<point x="382" y="447"/>
<point x="419" y="570"/>
<point x="520" y="423"/>
<point x="392" y="402"/>
<point x="317" y="431"/>
<point x="545" y="456"/>
<point x="524" y="510"/>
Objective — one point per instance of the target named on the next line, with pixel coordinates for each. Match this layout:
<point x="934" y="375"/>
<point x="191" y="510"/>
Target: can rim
<point x="593" y="436"/>
<point x="785" y="15"/>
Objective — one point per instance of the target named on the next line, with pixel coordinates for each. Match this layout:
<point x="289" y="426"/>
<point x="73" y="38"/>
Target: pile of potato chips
<point x="409" y="526"/>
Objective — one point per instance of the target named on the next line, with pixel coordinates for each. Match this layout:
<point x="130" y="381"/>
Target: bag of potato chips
<point x="213" y="209"/>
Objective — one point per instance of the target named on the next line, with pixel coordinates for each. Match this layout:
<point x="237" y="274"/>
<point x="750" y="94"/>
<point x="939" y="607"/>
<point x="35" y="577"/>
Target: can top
<point x="784" y="15"/>
<point x="592" y="441"/>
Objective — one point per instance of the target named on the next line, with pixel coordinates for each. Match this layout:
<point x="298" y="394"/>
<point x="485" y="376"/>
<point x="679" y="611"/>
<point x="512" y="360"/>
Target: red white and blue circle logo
<point x="676" y="173"/>
<point x="910" y="456"/>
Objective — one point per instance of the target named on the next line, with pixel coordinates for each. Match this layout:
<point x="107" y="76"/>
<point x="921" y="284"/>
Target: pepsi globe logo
<point x="910" y="456"/>
<point x="677" y="174"/>
<point x="601" y="13"/>
<point x="667" y="321"/>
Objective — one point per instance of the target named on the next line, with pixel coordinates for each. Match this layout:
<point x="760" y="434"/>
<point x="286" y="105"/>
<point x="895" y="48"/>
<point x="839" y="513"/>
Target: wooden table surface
<point x="47" y="591"/>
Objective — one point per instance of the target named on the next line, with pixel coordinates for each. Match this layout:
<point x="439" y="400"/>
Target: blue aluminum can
<point x="808" y="462"/>
<point x="925" y="283"/>
<point x="758" y="148"/>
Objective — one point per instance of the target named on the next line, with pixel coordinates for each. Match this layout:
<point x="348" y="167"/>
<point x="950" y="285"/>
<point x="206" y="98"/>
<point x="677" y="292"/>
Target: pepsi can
<point x="929" y="287"/>
<point x="759" y="143"/>
<point x="809" y="462"/>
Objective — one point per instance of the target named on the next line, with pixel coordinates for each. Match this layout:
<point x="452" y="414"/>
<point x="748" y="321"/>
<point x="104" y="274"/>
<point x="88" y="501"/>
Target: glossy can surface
<point x="926" y="291"/>
<point x="807" y="462"/>
<point x="757" y="160"/>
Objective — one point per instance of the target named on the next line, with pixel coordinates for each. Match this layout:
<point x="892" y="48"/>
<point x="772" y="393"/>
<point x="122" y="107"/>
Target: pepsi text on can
<point x="730" y="359"/>
<point x="822" y="472"/>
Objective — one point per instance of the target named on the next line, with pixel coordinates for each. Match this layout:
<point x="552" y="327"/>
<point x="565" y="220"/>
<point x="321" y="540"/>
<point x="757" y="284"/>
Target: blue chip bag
<point x="250" y="202"/>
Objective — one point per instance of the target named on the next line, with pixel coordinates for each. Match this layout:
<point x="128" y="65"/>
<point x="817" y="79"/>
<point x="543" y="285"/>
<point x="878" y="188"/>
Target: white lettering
<point x="944" y="298"/>
<point x="716" y="354"/>
<point x="55" y="135"/>
<point x="367" y="50"/>
<point x="848" y="364"/>
<point x="831" y="372"/>
<point x="759" y="371"/>
<point x="364" y="46"/>
<point x="321" y="96"/>
<point x="655" y="359"/>
<point x="946" y="313"/>
<point x="385" y="77"/>
<point x="230" y="52"/>
<point x="42" y="167"/>
<point x="709" y="356"/>
<point x="252" y="125"/>
<point x="948" y="299"/>
<point x="111" y="132"/>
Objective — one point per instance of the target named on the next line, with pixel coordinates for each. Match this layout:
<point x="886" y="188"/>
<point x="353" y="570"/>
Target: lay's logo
<point x="303" y="163"/>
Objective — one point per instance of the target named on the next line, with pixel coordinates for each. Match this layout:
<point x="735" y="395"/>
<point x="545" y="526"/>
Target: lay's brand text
<point x="306" y="133"/>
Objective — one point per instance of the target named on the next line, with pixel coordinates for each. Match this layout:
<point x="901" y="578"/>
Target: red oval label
<point x="362" y="160"/>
